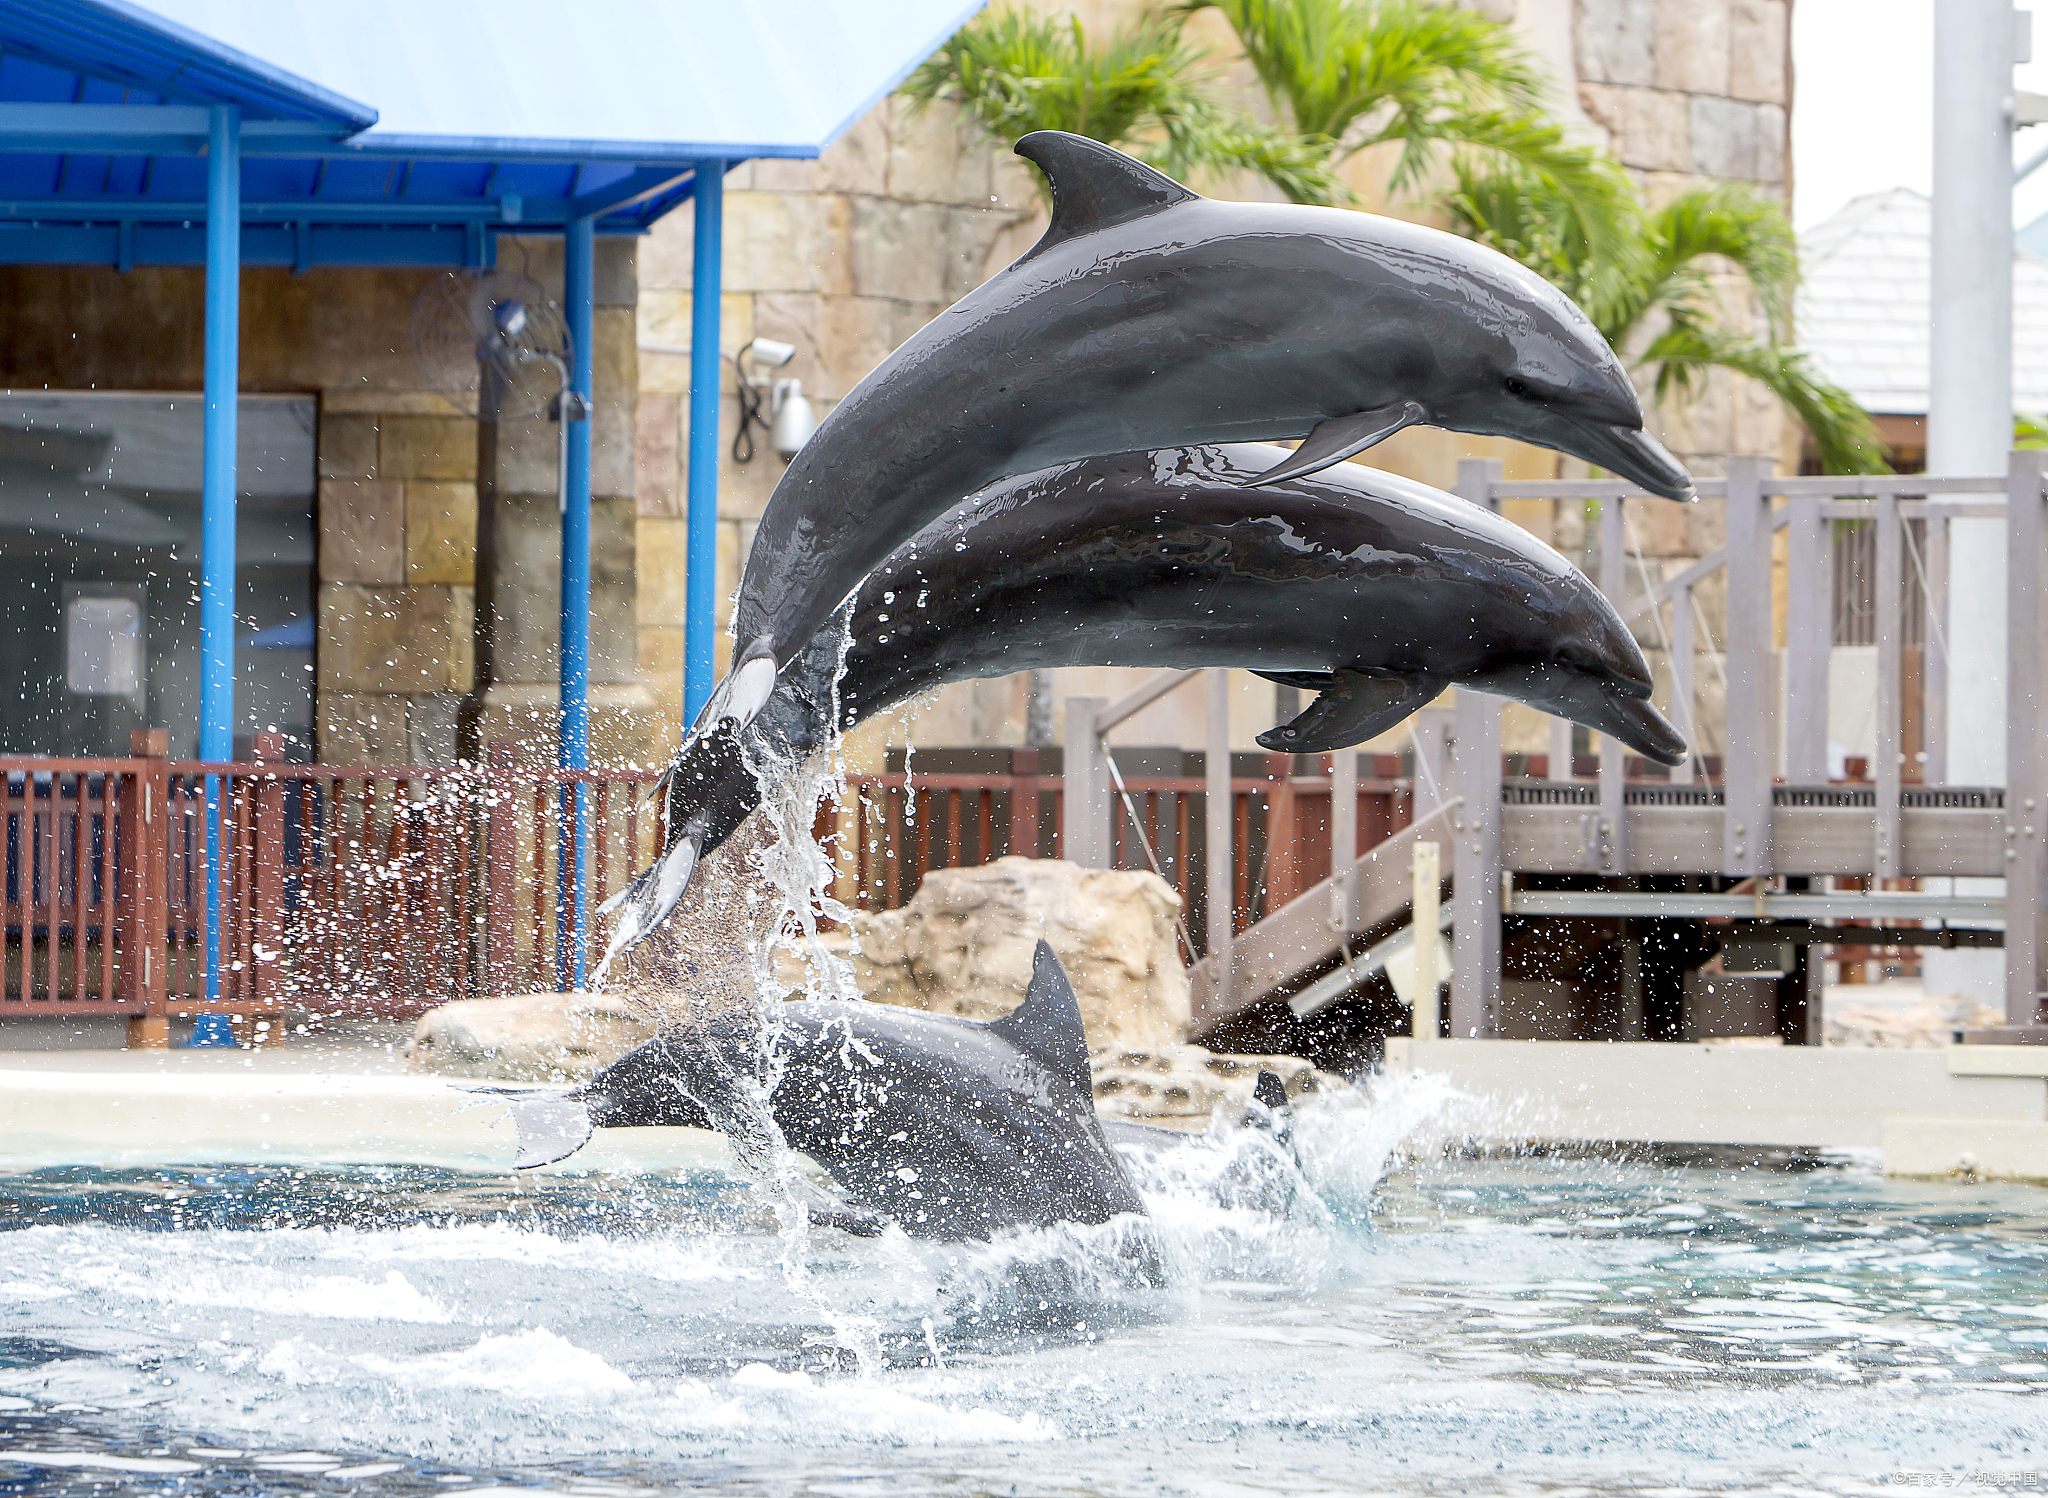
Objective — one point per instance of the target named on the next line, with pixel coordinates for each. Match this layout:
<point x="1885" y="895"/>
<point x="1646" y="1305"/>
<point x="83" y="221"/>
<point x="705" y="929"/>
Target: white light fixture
<point x="794" y="418"/>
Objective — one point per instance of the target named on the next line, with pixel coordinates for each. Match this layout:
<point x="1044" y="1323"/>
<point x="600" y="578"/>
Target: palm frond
<point x="1842" y="431"/>
<point x="1356" y="71"/>
<point x="1731" y="221"/>
<point x="1142" y="88"/>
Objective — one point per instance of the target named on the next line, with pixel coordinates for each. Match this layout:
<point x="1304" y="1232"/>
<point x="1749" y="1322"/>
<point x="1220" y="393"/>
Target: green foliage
<point x="1143" y="89"/>
<point x="1439" y="81"/>
<point x="2028" y="432"/>
<point x="1658" y="305"/>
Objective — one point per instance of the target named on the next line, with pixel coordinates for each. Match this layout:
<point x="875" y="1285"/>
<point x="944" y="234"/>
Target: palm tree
<point x="1349" y="75"/>
<point x="1658" y="307"/>
<point x="1143" y="90"/>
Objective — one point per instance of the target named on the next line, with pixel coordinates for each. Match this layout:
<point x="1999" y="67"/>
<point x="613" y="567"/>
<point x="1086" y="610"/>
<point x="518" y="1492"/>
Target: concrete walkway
<point x="1962" y="1110"/>
<point x="341" y="1097"/>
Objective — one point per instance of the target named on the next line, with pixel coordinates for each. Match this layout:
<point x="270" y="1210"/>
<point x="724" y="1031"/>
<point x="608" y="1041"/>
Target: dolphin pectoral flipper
<point x="828" y="1211"/>
<point x="1338" y="438"/>
<point x="1269" y="1091"/>
<point x="645" y="903"/>
<point x="1307" y="681"/>
<point x="1355" y="707"/>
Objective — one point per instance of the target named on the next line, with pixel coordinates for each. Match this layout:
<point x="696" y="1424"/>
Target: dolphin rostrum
<point x="1376" y="590"/>
<point x="950" y="1128"/>
<point x="1150" y="317"/>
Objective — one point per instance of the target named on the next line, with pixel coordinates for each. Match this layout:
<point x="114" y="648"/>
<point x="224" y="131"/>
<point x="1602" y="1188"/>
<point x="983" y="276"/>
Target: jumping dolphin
<point x="1149" y="317"/>
<point x="948" y="1127"/>
<point x="1375" y="589"/>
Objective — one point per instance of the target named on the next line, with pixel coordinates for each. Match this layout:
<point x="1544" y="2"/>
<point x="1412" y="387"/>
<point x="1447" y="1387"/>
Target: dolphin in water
<point x="1375" y="590"/>
<point x="1150" y="317"/>
<point x="950" y="1128"/>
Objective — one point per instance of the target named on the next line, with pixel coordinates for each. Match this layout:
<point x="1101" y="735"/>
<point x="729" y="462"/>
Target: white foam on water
<point x="534" y="1363"/>
<point x="763" y="1403"/>
<point x="251" y="1287"/>
<point x="97" y="1461"/>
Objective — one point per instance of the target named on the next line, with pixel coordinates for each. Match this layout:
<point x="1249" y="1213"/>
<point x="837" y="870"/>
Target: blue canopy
<point x="475" y="116"/>
<point x="412" y="132"/>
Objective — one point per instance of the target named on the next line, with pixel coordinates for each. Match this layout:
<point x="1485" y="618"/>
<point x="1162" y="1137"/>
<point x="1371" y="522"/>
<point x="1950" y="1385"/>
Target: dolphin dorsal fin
<point x="1047" y="1025"/>
<point x="1094" y="184"/>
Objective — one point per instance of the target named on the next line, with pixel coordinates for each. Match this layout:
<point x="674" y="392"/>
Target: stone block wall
<point x="397" y="499"/>
<point x="844" y="257"/>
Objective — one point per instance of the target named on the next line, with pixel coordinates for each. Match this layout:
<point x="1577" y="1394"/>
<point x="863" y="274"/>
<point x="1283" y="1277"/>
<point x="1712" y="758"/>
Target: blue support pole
<point x="579" y="273"/>
<point x="700" y="597"/>
<point x="217" y="489"/>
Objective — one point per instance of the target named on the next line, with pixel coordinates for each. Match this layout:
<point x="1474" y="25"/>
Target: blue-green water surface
<point x="1453" y="1325"/>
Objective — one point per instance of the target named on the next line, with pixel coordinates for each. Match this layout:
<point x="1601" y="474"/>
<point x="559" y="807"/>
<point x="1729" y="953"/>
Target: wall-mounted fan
<point x="492" y="338"/>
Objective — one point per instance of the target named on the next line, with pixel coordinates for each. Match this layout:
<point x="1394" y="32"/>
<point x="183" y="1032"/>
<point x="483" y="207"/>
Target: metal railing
<point x="1761" y="786"/>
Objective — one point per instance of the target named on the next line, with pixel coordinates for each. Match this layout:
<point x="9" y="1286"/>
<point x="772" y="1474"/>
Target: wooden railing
<point x="360" y="888"/>
<point x="901" y="826"/>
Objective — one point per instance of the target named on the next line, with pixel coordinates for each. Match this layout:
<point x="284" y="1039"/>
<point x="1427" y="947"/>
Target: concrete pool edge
<point x="57" y="1118"/>
<point x="1966" y="1112"/>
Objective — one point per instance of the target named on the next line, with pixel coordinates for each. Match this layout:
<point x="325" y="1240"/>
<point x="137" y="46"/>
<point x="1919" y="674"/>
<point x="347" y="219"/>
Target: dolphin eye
<point x="1515" y="387"/>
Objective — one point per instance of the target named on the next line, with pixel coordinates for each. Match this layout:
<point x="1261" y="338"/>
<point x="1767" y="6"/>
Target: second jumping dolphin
<point x="1377" y="590"/>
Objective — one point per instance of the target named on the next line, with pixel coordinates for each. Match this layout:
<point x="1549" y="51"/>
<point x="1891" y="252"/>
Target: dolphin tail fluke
<point x="1352" y="708"/>
<point x="744" y="692"/>
<point x="646" y="902"/>
<point x="552" y="1125"/>
<point x="1339" y="438"/>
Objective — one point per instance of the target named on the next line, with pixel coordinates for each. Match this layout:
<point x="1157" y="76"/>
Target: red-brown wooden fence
<point x="389" y="890"/>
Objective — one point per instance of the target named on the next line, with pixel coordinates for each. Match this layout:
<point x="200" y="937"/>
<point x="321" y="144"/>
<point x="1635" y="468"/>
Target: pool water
<point x="1439" y="1322"/>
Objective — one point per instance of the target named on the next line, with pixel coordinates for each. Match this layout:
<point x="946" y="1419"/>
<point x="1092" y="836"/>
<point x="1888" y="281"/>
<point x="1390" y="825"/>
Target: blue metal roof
<point x="480" y="115"/>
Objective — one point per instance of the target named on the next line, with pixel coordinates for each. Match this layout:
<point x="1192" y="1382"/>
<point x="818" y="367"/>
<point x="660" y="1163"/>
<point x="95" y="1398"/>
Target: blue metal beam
<point x="701" y="584"/>
<point x="439" y="246"/>
<point x="579" y="275"/>
<point x="538" y="215"/>
<point x="217" y="491"/>
<point x="643" y="182"/>
<point x="145" y="130"/>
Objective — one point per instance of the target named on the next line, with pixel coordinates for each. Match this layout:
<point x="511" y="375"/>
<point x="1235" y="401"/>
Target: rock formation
<point x="962" y="946"/>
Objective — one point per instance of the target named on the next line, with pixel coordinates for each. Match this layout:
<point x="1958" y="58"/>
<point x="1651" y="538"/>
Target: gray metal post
<point x="1084" y="800"/>
<point x="1343" y="810"/>
<point x="1969" y="398"/>
<point x="1216" y="817"/>
<point x="1683" y="718"/>
<point x="1613" y="828"/>
<point x="2026" y="830"/>
<point x="1475" y="961"/>
<point x="1560" y="749"/>
<point x="1746" y="836"/>
<point x="1809" y="602"/>
<point x="1934" y="653"/>
<point x="1890" y="624"/>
